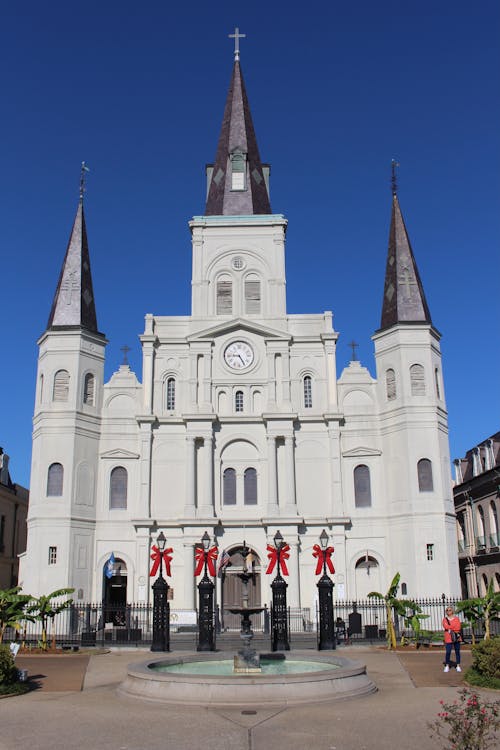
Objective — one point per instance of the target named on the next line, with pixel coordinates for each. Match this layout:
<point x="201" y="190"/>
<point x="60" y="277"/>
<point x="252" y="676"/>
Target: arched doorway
<point x="114" y="590"/>
<point x="367" y="577"/>
<point x="231" y="587"/>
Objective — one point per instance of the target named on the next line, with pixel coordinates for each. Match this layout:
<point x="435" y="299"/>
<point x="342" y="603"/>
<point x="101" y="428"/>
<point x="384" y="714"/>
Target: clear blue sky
<point x="336" y="91"/>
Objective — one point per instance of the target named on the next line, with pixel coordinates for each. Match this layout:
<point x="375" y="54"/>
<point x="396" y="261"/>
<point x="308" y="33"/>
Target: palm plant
<point x="404" y="607"/>
<point x="12" y="609"/>
<point x="482" y="609"/>
<point x="46" y="609"/>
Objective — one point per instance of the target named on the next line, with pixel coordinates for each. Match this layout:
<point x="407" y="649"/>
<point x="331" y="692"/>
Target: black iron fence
<point x="104" y="625"/>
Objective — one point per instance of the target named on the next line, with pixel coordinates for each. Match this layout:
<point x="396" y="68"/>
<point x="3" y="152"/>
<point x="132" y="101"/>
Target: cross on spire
<point x="125" y="349"/>
<point x="354" y="346"/>
<point x="236" y="36"/>
<point x="82" y="179"/>
<point x="394" y="182"/>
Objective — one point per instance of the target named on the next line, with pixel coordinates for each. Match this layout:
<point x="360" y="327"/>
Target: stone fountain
<point x="247" y="660"/>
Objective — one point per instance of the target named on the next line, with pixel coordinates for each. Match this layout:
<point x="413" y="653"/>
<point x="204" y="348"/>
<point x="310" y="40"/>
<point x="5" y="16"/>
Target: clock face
<point x="238" y="355"/>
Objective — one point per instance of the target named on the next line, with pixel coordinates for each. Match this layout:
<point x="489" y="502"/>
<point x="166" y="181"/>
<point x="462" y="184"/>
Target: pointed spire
<point x="404" y="299"/>
<point x="73" y="303"/>
<point x="238" y="179"/>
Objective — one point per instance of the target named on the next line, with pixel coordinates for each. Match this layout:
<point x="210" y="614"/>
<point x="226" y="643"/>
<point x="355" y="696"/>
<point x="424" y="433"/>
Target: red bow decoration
<point x="324" y="556"/>
<point x="156" y="557"/>
<point x="211" y="556"/>
<point x="274" y="554"/>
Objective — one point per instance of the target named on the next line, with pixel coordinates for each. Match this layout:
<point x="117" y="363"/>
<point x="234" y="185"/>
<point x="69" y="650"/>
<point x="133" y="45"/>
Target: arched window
<point x="494" y="538"/>
<point x="40" y="393"/>
<point x="229" y="487"/>
<point x="238" y="169"/>
<point x="484" y="579"/>
<point x="55" y="479"/>
<point x="308" y="398"/>
<point x="89" y="389"/>
<point x="362" y="487"/>
<point x="424" y="471"/>
<point x="224" y="296"/>
<point x="497" y="581"/>
<point x="61" y="386"/>
<point x="436" y="382"/>
<point x="417" y="380"/>
<point x="118" y="488"/>
<point x="171" y="394"/>
<point x="462" y="536"/>
<point x="238" y="401"/>
<point x="252" y="295"/>
<point x="250" y="486"/>
<point x="390" y="384"/>
<point x="481" y="542"/>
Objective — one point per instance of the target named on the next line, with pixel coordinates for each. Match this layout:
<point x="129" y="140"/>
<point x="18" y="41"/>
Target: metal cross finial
<point x="82" y="179"/>
<point x="125" y="349"/>
<point x="354" y="346"/>
<point x="394" y="182"/>
<point x="236" y="36"/>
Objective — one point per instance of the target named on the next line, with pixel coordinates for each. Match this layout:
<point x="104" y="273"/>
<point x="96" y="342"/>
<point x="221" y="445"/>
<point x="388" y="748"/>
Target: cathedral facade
<point x="240" y="424"/>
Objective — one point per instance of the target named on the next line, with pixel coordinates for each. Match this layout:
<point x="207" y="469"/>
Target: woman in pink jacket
<point x="452" y="626"/>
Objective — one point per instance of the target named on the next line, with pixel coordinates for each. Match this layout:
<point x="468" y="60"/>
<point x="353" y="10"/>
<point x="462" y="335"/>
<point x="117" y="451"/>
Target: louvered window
<point x="390" y="384"/>
<point x="170" y="394"/>
<point x="252" y="297"/>
<point x="89" y="389"/>
<point x="61" y="386"/>
<point x="224" y="298"/>
<point x="308" y="399"/>
<point x="55" y="478"/>
<point x="229" y="487"/>
<point x="250" y="486"/>
<point x="118" y="489"/>
<point x="362" y="487"/>
<point x="417" y="379"/>
<point x="424" y="470"/>
<point x="238" y="401"/>
<point x="238" y="166"/>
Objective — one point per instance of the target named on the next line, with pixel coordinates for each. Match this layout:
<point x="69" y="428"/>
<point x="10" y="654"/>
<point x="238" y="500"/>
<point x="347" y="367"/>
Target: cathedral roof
<point x="404" y="299"/>
<point x="237" y="151"/>
<point x="73" y="304"/>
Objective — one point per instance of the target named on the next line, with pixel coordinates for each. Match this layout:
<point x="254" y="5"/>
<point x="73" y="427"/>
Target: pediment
<point x="239" y="324"/>
<point x="360" y="452"/>
<point x="119" y="453"/>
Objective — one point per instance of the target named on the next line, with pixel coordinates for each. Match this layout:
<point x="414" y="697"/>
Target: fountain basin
<point x="337" y="679"/>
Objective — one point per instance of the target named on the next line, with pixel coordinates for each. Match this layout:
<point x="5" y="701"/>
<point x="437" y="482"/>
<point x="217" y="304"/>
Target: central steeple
<point x="238" y="181"/>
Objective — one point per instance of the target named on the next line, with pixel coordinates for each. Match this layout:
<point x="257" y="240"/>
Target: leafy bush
<point x="485" y="670"/>
<point x="8" y="670"/>
<point x="467" y="723"/>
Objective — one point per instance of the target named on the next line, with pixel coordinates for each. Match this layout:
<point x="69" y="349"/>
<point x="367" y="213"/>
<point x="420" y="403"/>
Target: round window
<point x="238" y="263"/>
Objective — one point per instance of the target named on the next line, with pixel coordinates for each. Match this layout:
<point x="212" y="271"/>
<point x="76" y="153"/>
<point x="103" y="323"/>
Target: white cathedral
<point x="240" y="425"/>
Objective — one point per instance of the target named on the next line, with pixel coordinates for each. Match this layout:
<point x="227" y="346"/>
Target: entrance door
<point x="115" y="593"/>
<point x="232" y="589"/>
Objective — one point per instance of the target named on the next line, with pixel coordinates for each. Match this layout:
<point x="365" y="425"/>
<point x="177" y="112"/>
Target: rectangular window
<point x="224" y="298"/>
<point x="430" y="552"/>
<point x="252" y="297"/>
<point x="52" y="555"/>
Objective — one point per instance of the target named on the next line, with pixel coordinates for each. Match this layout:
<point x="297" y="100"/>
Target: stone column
<point x="293" y="580"/>
<point x="336" y="497"/>
<point x="144" y="510"/>
<point x="207" y="507"/>
<point x="331" y="373"/>
<point x="189" y="587"/>
<point x="271" y="378"/>
<point x="290" y="500"/>
<point x="190" y="504"/>
<point x="272" y="477"/>
<point x="147" y="373"/>
<point x="287" y="395"/>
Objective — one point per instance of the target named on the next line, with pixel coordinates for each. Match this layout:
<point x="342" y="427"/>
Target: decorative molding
<point x="361" y="451"/>
<point x="119" y="453"/>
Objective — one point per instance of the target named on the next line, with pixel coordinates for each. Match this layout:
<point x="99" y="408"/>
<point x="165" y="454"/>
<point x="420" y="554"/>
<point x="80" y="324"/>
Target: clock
<point x="238" y="355"/>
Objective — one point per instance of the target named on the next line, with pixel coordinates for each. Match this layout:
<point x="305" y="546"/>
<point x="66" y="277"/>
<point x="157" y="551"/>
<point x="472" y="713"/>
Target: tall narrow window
<point x="362" y="487"/>
<point x="390" y="384"/>
<point x="224" y="297"/>
<point x="417" y="380"/>
<point x="238" y="401"/>
<point x="89" y="389"/>
<point x="238" y="166"/>
<point x="250" y="486"/>
<point x="61" y="386"/>
<point x="436" y="381"/>
<point x="494" y="538"/>
<point x="41" y="389"/>
<point x="229" y="487"/>
<point x="52" y="555"/>
<point x="55" y="478"/>
<point x="171" y="394"/>
<point x="308" y="398"/>
<point x="481" y="540"/>
<point x="430" y="552"/>
<point x="252" y="296"/>
<point x="424" y="470"/>
<point x="118" y="488"/>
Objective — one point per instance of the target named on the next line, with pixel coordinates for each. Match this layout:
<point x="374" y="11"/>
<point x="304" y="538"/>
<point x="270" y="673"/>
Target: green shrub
<point x="8" y="670"/>
<point x="486" y="658"/>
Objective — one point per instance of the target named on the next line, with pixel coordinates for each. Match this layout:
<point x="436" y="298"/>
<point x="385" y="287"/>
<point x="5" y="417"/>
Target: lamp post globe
<point x="325" y="585"/>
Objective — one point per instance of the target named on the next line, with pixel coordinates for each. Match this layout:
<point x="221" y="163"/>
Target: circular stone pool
<point x="191" y="681"/>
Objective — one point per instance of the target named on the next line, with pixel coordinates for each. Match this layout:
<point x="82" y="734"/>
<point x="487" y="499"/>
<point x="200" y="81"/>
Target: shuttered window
<point x="390" y="384"/>
<point x="362" y="487"/>
<point x="417" y="379"/>
<point x="61" y="386"/>
<point x="229" y="487"/>
<point x="55" y="477"/>
<point x="250" y="486"/>
<point x="118" y="489"/>
<point x="89" y="389"/>
<point x="224" y="298"/>
<point x="252" y="297"/>
<point x="170" y="394"/>
<point x="238" y="401"/>
<point x="308" y="399"/>
<point x="424" y="470"/>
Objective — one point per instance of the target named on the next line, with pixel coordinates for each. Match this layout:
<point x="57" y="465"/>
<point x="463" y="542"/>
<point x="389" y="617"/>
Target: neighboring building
<point x="477" y="505"/>
<point x="13" y="512"/>
<point x="240" y="425"/>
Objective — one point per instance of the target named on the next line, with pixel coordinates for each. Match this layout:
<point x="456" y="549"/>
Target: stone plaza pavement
<point x="60" y="714"/>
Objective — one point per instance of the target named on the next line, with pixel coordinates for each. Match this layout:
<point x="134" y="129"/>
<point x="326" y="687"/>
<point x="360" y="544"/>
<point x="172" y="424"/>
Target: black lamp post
<point x="206" y="630"/>
<point x="325" y="591"/>
<point x="161" y="607"/>
<point x="279" y="614"/>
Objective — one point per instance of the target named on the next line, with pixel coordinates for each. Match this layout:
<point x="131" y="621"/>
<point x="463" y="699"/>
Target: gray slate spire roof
<point x="404" y="298"/>
<point x="237" y="137"/>
<point x="73" y="304"/>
